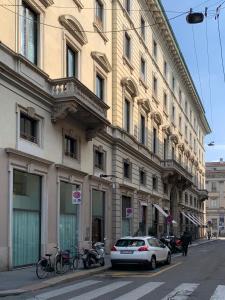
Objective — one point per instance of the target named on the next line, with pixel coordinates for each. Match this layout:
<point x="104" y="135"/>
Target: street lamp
<point x="194" y="18"/>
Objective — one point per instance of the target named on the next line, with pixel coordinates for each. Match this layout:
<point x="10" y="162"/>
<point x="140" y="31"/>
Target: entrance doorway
<point x="69" y="216"/>
<point x="26" y="218"/>
<point x="98" y="216"/>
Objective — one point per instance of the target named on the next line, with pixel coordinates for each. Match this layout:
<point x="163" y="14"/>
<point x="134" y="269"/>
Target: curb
<point x="53" y="281"/>
<point x="66" y="278"/>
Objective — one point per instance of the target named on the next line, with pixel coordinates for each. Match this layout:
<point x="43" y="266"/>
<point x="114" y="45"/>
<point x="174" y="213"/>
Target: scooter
<point x="93" y="256"/>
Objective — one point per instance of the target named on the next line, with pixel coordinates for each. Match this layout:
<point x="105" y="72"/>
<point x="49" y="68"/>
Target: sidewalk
<point x="24" y="280"/>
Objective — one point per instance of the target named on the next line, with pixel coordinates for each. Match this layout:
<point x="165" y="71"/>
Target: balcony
<point x="74" y="99"/>
<point x="174" y="173"/>
<point x="203" y="195"/>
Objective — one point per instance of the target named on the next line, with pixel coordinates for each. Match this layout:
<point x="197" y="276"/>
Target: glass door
<point x="26" y="218"/>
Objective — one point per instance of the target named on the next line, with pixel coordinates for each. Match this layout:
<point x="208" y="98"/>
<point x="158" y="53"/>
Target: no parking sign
<point x="76" y="197"/>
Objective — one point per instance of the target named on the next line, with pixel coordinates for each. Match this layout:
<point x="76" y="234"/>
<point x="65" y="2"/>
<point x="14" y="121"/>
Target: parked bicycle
<point x="63" y="261"/>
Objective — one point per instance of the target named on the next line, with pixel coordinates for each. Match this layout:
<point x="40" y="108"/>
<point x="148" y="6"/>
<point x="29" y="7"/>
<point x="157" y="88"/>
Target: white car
<point x="145" y="250"/>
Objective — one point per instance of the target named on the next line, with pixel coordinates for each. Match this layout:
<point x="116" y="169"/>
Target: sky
<point x="192" y="40"/>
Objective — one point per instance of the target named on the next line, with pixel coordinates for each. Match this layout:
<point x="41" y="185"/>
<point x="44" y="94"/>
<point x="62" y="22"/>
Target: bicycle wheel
<point x="76" y="262"/>
<point x="42" y="268"/>
<point x="61" y="266"/>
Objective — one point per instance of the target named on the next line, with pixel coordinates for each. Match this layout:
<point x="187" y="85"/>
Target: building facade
<point x="102" y="128"/>
<point x="215" y="205"/>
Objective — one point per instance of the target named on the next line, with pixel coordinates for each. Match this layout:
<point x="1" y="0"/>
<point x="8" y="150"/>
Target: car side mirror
<point x="163" y="246"/>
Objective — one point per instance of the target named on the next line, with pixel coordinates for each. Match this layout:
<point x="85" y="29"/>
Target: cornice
<point x="66" y="168"/>
<point x="15" y="152"/>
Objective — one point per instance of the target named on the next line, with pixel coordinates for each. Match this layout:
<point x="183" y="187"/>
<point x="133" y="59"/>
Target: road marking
<point x="182" y="292"/>
<point x="141" y="291"/>
<point x="101" y="291"/>
<point x="219" y="293"/>
<point x="140" y="274"/>
<point x="64" y="290"/>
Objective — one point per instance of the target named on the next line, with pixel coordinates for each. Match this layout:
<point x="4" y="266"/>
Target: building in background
<point x="215" y="205"/>
<point x="101" y="127"/>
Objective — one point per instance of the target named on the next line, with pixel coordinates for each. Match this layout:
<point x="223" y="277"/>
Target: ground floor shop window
<point x="26" y="218"/>
<point x="98" y="216"/>
<point x="69" y="215"/>
<point x="127" y="214"/>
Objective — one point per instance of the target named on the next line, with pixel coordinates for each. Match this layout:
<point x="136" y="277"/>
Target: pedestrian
<point x="185" y="241"/>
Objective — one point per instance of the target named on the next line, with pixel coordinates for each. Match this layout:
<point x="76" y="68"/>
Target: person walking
<point x="185" y="241"/>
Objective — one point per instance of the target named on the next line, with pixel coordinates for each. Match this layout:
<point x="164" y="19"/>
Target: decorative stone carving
<point x="47" y="3"/>
<point x="130" y="85"/>
<point x="181" y="147"/>
<point x="167" y="130"/>
<point x="74" y="27"/>
<point x="145" y="104"/>
<point x="78" y="4"/>
<point x="156" y="116"/>
<point x="174" y="138"/>
<point x="102" y="60"/>
<point x="187" y="153"/>
<point x="62" y="109"/>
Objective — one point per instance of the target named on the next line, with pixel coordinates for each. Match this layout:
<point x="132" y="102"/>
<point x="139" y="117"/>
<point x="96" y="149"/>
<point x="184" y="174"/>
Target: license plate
<point x="126" y="251"/>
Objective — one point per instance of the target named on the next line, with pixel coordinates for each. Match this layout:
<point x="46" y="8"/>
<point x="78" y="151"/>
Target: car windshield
<point x="130" y="243"/>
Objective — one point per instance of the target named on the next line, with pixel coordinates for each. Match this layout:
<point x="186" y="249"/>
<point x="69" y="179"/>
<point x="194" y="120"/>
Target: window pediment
<point x="174" y="138"/>
<point x="74" y="27"/>
<point x="130" y="85"/>
<point x="102" y="60"/>
<point x="156" y="116"/>
<point x="145" y="104"/>
<point x="47" y="3"/>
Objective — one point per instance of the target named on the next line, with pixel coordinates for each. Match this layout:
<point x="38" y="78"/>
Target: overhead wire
<point x="197" y="64"/>
<point x="220" y="41"/>
<point x="92" y="31"/>
<point x="209" y="76"/>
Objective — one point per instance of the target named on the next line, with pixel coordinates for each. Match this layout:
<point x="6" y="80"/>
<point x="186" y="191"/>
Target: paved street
<point x="200" y="276"/>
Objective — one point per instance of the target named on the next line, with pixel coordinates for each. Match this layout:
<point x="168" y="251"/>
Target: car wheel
<point x="153" y="263"/>
<point x="168" y="260"/>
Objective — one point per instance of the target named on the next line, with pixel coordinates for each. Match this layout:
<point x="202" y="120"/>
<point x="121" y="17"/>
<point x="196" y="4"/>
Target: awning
<point x="197" y="219"/>
<point x="194" y="218"/>
<point x="189" y="218"/>
<point x="163" y="212"/>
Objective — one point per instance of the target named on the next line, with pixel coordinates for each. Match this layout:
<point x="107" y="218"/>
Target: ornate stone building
<point x="101" y="127"/>
<point x="215" y="205"/>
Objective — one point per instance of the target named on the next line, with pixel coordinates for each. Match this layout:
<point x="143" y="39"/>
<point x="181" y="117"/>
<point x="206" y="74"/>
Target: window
<point x="154" y="183"/>
<point x="173" y="153"/>
<point x="165" y="149"/>
<point x="173" y="83"/>
<point x="142" y="28"/>
<point x="173" y="114"/>
<point x="70" y="147"/>
<point x="127" y="115"/>
<point x="143" y="69"/>
<point x="99" y="12"/>
<point x="191" y="201"/>
<point x="142" y="130"/>
<point x="154" y="140"/>
<point x="127" y="169"/>
<point x="165" y="69"/>
<point x="127" y="46"/>
<point x="71" y="62"/>
<point x="185" y="107"/>
<point x="214" y="203"/>
<point x="180" y="124"/>
<point x="142" y="177"/>
<point x="186" y="132"/>
<point x="195" y="202"/>
<point x="29" y="33"/>
<point x="213" y="187"/>
<point x="165" y="105"/>
<point x="180" y="96"/>
<point x="127" y="6"/>
<point x="100" y="87"/>
<point x="155" y="49"/>
<point x="165" y="188"/>
<point x="155" y="88"/>
<point x="28" y="128"/>
<point x="99" y="159"/>
<point x="186" y="198"/>
<point x="126" y="215"/>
